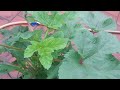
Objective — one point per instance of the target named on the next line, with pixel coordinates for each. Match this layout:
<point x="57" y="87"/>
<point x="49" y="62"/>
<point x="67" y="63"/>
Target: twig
<point x="57" y="60"/>
<point x="109" y="31"/>
<point x="46" y="33"/>
<point x="11" y="47"/>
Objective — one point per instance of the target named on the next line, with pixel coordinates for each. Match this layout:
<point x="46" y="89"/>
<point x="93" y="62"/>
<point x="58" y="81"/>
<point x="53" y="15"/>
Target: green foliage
<point x="35" y="35"/>
<point x="99" y="67"/>
<point x="66" y="50"/>
<point x="58" y="34"/>
<point x="93" y="57"/>
<point x="90" y="45"/>
<point x="70" y="28"/>
<point x="45" y="48"/>
<point x="52" y="19"/>
<point x="97" y="21"/>
<point x="2" y="49"/>
<point x="53" y="71"/>
<point x="12" y="36"/>
<point x="5" y="68"/>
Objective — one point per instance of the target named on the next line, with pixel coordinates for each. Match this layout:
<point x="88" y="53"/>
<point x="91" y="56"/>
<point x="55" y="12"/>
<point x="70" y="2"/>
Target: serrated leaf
<point x="55" y="20"/>
<point x="50" y="45"/>
<point x="4" y="68"/>
<point x="70" y="28"/>
<point x="95" y="54"/>
<point x="56" y="53"/>
<point x="97" y="21"/>
<point x="5" y="32"/>
<point x="58" y="34"/>
<point x="31" y="49"/>
<point x="89" y="45"/>
<point x="37" y="35"/>
<point x="45" y="49"/>
<point x="2" y="49"/>
<point x="56" y="43"/>
<point x="46" y="60"/>
<point x="107" y="22"/>
<point x="12" y="36"/>
<point x="101" y="67"/>
<point x="26" y="35"/>
<point x="53" y="71"/>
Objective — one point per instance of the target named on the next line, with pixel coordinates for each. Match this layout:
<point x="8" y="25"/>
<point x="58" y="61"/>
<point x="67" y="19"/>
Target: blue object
<point x="34" y="24"/>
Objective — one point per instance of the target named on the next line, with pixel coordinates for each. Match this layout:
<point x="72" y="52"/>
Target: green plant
<point x="66" y="50"/>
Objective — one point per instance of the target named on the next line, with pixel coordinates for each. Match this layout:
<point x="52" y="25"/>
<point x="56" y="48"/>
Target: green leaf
<point x="107" y="22"/>
<point x="56" y="53"/>
<point x="4" y="68"/>
<point x="58" y="34"/>
<point x="5" y="32"/>
<point x="55" y="43"/>
<point x="97" y="21"/>
<point x="55" y="20"/>
<point x="45" y="49"/>
<point x="92" y="58"/>
<point x="26" y="35"/>
<point x="12" y="36"/>
<point x="70" y="28"/>
<point x="31" y="49"/>
<point x="101" y="67"/>
<point x="89" y="45"/>
<point x="37" y="35"/>
<point x="48" y="46"/>
<point x="53" y="71"/>
<point x="46" y="60"/>
<point x="2" y="49"/>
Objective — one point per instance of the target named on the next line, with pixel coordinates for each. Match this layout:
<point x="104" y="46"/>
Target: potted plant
<point x="75" y="45"/>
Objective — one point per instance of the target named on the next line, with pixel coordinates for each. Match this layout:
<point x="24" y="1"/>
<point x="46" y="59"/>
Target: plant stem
<point x="57" y="60"/>
<point x="11" y="47"/>
<point x="46" y="33"/>
<point x="81" y="60"/>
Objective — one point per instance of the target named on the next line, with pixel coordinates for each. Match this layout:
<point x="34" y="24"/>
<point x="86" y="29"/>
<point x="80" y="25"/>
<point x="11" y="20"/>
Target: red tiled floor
<point x="15" y="74"/>
<point x="5" y="76"/>
<point x="9" y="14"/>
<point x="18" y="18"/>
<point x="114" y="13"/>
<point x="3" y="21"/>
<point x="21" y="14"/>
<point x="118" y="27"/>
<point x="118" y="22"/>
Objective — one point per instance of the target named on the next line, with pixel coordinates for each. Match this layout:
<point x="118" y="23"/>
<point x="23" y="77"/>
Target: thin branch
<point x="11" y="47"/>
<point x="109" y="31"/>
<point x="57" y="60"/>
<point x="46" y="33"/>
